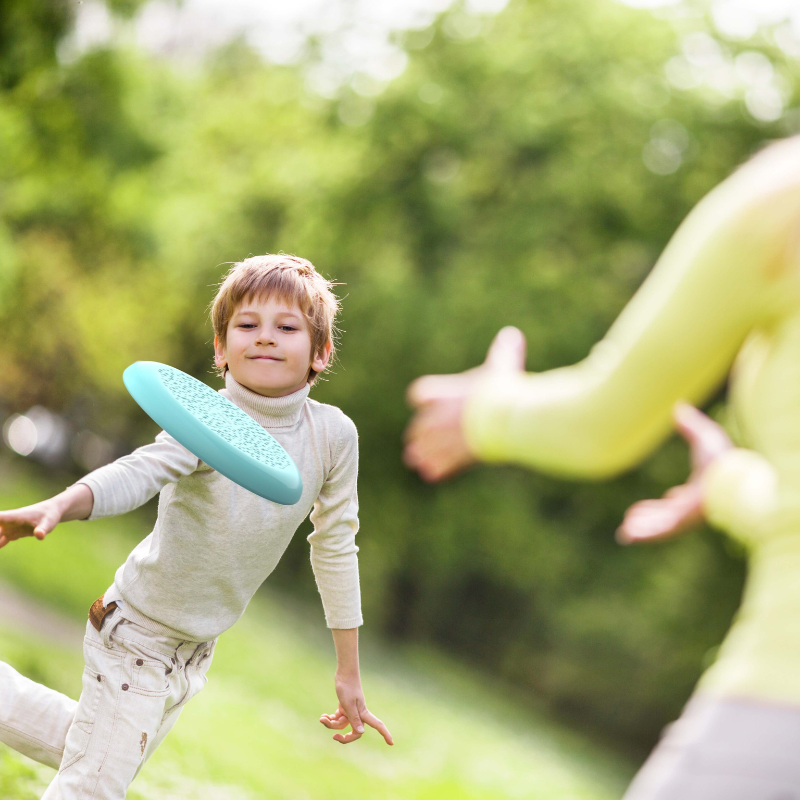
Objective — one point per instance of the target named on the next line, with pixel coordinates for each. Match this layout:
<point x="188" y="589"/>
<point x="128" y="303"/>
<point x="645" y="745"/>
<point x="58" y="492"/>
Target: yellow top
<point x="725" y="292"/>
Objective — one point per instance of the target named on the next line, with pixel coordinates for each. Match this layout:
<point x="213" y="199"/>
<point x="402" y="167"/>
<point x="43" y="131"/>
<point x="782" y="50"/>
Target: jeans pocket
<point x="79" y="733"/>
<point x="149" y="677"/>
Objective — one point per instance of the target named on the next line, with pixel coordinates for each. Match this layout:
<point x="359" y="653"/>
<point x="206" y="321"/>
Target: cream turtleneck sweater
<point x="214" y="542"/>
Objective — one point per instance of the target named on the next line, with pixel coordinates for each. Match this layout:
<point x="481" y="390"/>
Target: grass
<point x="253" y="732"/>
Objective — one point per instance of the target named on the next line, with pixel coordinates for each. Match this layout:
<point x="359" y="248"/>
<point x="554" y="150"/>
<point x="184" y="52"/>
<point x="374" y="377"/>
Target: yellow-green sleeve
<point x="676" y="338"/>
<point x="740" y="493"/>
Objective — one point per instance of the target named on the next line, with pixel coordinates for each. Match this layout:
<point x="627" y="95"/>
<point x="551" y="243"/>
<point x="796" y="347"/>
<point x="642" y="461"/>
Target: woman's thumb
<point x="507" y="350"/>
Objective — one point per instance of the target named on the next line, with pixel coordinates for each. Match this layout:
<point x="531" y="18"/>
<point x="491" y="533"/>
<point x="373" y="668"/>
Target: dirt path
<point x="20" y="612"/>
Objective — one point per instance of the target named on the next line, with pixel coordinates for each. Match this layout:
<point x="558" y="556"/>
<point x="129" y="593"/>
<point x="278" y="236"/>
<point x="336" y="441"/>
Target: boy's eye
<point x="250" y="325"/>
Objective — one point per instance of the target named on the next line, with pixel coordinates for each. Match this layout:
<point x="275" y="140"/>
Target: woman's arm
<point x="676" y="339"/>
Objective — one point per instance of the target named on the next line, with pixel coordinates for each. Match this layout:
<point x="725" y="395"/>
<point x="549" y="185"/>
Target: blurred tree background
<point x="526" y="168"/>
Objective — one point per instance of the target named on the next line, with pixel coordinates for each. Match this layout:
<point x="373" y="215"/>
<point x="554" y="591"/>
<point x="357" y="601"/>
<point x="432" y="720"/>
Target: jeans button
<point x="125" y="687"/>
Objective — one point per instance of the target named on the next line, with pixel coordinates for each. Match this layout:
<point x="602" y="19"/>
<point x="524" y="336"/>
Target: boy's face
<point x="268" y="347"/>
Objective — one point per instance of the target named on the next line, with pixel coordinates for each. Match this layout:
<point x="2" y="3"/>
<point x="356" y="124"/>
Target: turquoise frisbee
<point x="218" y="432"/>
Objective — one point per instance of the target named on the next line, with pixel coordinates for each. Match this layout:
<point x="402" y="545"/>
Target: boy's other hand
<point x="353" y="711"/>
<point x="435" y="444"/>
<point x="36" y="520"/>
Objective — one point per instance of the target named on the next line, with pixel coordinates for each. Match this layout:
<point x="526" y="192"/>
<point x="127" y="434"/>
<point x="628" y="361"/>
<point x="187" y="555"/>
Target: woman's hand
<point x="353" y="711"/>
<point x="36" y="520"/>
<point x="434" y="439"/>
<point x="681" y="508"/>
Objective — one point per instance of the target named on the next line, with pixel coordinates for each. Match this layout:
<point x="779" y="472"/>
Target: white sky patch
<point x="740" y="20"/>
<point x="356" y="47"/>
<point x="354" y="36"/>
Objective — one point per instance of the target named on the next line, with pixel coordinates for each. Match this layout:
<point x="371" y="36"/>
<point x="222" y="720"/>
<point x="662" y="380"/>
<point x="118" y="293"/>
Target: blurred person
<point x="150" y="638"/>
<point x="723" y="297"/>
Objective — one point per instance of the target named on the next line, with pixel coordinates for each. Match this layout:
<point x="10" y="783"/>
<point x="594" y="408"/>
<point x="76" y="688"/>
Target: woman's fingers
<point x="507" y="350"/>
<point x="430" y="388"/>
<point x="434" y="442"/>
<point x="706" y="438"/>
<point x="652" y="520"/>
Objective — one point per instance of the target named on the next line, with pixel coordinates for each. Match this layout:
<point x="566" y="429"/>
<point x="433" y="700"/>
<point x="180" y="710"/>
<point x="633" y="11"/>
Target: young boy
<point x="151" y="637"/>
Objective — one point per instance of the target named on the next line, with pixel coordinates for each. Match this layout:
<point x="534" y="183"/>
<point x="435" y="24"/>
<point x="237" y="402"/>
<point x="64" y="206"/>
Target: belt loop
<point x="109" y="624"/>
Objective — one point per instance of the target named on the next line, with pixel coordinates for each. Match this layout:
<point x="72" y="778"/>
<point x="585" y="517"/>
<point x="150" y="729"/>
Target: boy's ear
<point x="321" y="359"/>
<point x="219" y="353"/>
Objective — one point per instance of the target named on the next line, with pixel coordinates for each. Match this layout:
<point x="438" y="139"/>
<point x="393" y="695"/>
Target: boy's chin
<point x="266" y="384"/>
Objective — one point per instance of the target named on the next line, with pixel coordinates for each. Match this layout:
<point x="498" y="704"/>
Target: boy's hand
<point x="353" y="711"/>
<point x="36" y="520"/>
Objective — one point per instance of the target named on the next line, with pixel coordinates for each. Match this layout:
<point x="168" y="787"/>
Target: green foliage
<point x="29" y="32"/>
<point x="498" y="181"/>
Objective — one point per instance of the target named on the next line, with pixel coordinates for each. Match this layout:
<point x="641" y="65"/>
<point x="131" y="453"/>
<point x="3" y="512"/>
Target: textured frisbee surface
<point x="215" y="430"/>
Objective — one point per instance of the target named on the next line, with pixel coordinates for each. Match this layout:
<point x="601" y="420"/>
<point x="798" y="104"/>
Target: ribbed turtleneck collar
<point x="269" y="412"/>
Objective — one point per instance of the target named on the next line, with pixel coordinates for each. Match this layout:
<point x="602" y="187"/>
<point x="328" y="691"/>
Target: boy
<point x="150" y="638"/>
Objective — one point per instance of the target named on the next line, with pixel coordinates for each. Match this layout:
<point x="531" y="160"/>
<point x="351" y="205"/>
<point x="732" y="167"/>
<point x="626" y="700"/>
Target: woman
<point x="724" y="294"/>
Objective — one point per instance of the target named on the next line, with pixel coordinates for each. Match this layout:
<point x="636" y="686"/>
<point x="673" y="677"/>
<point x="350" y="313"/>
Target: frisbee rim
<point x="145" y="385"/>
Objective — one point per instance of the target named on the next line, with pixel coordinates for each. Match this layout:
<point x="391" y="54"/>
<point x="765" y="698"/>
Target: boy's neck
<point x="268" y="411"/>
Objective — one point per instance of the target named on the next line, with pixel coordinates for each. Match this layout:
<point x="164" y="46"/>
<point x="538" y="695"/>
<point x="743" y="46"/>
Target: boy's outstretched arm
<point x="39" y="519"/>
<point x="352" y="706"/>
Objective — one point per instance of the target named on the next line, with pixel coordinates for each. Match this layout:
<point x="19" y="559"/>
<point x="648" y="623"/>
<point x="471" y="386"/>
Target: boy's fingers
<point x="374" y="722"/>
<point x="346" y="738"/>
<point x="332" y="723"/>
<point x="355" y="719"/>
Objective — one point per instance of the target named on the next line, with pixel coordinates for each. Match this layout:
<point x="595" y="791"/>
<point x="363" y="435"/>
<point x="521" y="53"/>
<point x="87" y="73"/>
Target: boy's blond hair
<point x="291" y="279"/>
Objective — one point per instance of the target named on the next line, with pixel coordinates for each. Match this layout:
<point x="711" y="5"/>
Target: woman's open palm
<point x="681" y="508"/>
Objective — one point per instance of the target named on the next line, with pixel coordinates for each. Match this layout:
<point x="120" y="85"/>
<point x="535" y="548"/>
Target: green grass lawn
<point x="254" y="731"/>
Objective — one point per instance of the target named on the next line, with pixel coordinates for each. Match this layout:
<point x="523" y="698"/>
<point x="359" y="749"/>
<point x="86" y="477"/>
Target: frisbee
<point x="218" y="432"/>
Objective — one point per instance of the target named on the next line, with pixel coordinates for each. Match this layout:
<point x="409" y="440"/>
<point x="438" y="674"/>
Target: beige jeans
<point x="135" y="684"/>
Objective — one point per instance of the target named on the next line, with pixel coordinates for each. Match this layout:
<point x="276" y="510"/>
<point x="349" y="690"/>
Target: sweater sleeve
<point x="132" y="480"/>
<point x="333" y="542"/>
<point x="740" y="493"/>
<point x="676" y="338"/>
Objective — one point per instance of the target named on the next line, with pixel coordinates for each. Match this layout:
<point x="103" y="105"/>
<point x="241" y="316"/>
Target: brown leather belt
<point x="97" y="613"/>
